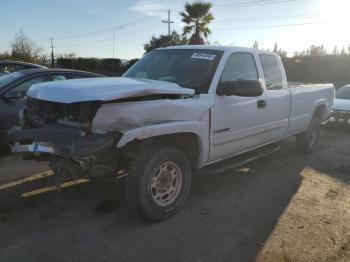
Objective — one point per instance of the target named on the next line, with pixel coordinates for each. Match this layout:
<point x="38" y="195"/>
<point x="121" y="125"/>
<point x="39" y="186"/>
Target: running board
<point x="239" y="160"/>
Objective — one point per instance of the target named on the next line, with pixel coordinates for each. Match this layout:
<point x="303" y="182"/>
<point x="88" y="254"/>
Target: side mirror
<point x="11" y="95"/>
<point x="245" y="88"/>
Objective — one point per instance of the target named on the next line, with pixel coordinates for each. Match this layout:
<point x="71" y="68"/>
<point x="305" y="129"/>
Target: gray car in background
<point x="8" y="66"/>
<point x="14" y="86"/>
<point x="341" y="108"/>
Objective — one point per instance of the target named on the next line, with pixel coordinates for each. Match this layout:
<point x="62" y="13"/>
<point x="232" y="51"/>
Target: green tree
<point x="335" y="51"/>
<point x="256" y="44"/>
<point x="315" y="50"/>
<point x="5" y="55"/>
<point x="275" y="48"/>
<point x="165" y="40"/>
<point x="71" y="55"/>
<point x="279" y="51"/>
<point x="282" y="53"/>
<point x="343" y="51"/>
<point x="25" y="49"/>
<point x="197" y="17"/>
<point x="298" y="54"/>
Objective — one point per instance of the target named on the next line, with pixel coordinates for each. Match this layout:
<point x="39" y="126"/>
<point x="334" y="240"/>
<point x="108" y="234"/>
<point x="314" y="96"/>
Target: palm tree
<point x="197" y="18"/>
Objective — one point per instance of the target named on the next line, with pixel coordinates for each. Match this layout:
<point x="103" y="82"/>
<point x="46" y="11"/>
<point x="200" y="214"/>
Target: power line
<point x="106" y="45"/>
<point x="272" y="26"/>
<point x="278" y="17"/>
<point x="109" y="38"/>
<point x="253" y="3"/>
<point x="104" y="30"/>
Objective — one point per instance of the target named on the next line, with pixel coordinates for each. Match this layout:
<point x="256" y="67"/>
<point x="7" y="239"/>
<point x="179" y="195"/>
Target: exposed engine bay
<point x="61" y="134"/>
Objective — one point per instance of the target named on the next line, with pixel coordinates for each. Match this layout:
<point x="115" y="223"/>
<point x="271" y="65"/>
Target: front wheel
<point x="306" y="142"/>
<point x="158" y="182"/>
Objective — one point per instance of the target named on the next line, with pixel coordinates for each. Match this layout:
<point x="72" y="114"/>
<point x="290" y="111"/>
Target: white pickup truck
<point x="176" y="110"/>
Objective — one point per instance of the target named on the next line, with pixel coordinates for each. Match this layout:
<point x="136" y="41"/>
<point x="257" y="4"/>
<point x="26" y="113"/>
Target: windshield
<point x="9" y="78"/>
<point x="343" y="93"/>
<point x="192" y="68"/>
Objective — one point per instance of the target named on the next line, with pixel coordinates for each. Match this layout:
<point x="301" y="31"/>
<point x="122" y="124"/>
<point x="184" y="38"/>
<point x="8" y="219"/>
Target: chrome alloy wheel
<point x="166" y="183"/>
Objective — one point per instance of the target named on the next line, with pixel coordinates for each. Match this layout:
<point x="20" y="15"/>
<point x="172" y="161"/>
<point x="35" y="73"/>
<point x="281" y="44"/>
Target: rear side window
<point x="75" y="76"/>
<point x="22" y="88"/>
<point x="272" y="72"/>
<point x="22" y="67"/>
<point x="7" y="68"/>
<point x="240" y="66"/>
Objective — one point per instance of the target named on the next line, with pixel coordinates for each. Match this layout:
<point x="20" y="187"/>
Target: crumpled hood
<point x="341" y="104"/>
<point x="111" y="117"/>
<point x="102" y="89"/>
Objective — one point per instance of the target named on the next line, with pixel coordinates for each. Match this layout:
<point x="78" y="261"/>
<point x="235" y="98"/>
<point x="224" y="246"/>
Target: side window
<point x="58" y="77"/>
<point x="8" y="68"/>
<point x="21" y="67"/>
<point x="272" y="72"/>
<point x="240" y="66"/>
<point x="75" y="76"/>
<point x="2" y="68"/>
<point x="22" y="88"/>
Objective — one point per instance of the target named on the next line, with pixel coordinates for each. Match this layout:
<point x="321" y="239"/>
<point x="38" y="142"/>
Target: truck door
<point x="277" y="98"/>
<point x="237" y="123"/>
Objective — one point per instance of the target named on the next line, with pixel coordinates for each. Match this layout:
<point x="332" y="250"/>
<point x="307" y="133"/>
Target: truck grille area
<point x="55" y="133"/>
<point x="340" y="117"/>
<point x="39" y="113"/>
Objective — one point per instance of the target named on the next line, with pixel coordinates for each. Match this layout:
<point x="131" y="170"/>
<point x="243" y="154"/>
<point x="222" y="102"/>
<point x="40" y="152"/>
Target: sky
<point x="85" y="27"/>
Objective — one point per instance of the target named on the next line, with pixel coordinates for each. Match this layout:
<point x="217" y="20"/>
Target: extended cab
<point x="176" y="110"/>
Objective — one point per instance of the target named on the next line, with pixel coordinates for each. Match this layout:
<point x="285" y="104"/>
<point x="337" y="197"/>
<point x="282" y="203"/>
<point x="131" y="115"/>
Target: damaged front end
<point x="62" y="134"/>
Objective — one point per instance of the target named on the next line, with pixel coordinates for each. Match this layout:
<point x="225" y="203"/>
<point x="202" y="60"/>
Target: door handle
<point x="261" y="104"/>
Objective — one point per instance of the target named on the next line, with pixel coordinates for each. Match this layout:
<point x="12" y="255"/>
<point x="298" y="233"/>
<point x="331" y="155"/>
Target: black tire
<point x="139" y="194"/>
<point x="306" y="142"/>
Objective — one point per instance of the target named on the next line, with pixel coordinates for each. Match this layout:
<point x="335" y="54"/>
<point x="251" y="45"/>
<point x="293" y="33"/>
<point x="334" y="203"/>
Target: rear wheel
<point x="306" y="142"/>
<point x="158" y="182"/>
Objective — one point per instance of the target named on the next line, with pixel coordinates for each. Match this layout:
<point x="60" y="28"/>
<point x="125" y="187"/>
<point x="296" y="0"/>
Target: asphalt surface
<point x="228" y="217"/>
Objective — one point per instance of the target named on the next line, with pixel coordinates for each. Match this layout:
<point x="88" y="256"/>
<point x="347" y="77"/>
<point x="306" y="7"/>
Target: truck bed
<point x="304" y="99"/>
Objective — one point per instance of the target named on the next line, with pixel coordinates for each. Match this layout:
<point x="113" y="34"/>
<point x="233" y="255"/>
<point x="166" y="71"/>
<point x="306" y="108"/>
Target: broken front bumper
<point x="62" y="141"/>
<point x="35" y="147"/>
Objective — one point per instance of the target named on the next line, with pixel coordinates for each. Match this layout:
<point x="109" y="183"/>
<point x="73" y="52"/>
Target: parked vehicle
<point x="8" y="66"/>
<point x="341" y="109"/>
<point x="14" y="86"/>
<point x="176" y="110"/>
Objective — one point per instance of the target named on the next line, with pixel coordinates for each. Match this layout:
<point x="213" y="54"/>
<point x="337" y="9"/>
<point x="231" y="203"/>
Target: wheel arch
<point x="192" y="137"/>
<point x="321" y="109"/>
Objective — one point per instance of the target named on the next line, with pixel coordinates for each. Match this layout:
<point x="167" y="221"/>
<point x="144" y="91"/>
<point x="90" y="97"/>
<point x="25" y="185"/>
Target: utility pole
<point x="113" y="48"/>
<point x="52" y="55"/>
<point x="168" y="22"/>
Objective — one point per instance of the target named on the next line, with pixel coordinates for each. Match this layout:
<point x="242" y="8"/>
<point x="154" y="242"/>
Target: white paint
<point x="102" y="89"/>
<point x="224" y="125"/>
<point x="125" y="116"/>
<point x="288" y="111"/>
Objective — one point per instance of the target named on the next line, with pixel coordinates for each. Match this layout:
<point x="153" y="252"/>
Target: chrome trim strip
<point x="35" y="147"/>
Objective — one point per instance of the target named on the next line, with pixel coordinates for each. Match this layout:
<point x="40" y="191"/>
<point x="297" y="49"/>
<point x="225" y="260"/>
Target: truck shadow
<point x="228" y="216"/>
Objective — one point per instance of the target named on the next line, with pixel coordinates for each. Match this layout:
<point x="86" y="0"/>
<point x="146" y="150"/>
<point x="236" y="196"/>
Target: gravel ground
<point x="285" y="207"/>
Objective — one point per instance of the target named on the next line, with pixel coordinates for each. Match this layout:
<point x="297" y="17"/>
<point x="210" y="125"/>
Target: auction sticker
<point x="205" y="56"/>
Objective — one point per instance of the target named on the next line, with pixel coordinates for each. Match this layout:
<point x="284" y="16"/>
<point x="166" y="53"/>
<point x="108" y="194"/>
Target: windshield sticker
<point x="203" y="56"/>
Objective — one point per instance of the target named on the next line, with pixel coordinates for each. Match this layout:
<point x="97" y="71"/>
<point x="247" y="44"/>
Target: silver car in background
<point x="341" y="108"/>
